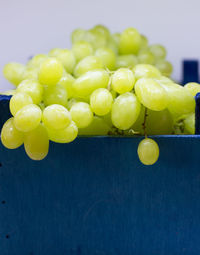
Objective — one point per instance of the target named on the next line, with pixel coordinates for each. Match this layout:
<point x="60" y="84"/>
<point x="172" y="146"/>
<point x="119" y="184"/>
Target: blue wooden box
<point x="94" y="197"/>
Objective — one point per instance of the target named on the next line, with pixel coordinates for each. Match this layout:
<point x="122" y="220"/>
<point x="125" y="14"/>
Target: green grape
<point x="50" y="72"/>
<point x="30" y="73"/>
<point x="97" y="127"/>
<point x="158" y="51"/>
<point x="148" y="151"/>
<point x="9" y="92"/>
<point x="67" y="82"/>
<point x="130" y="41"/>
<point x="113" y="45"/>
<point x="55" y="95"/>
<point x="88" y="82"/>
<point x="189" y="124"/>
<point x="87" y="64"/>
<point x="165" y="67"/>
<point x="56" y="117"/>
<point x="11" y="138"/>
<point x="107" y="57"/>
<point x="81" y="114"/>
<point x="96" y="38"/>
<point x="65" y="135"/>
<point x="146" y="57"/>
<point x="116" y="37"/>
<point x="151" y="94"/>
<point x="101" y="101"/>
<point x="18" y="101"/>
<point x="66" y="57"/>
<point x="193" y="88"/>
<point x="28" y="118"/>
<point x="78" y="35"/>
<point x="126" y="61"/>
<point x="33" y="88"/>
<point x="125" y="111"/>
<point x="82" y="49"/>
<point x="146" y="71"/>
<point x="36" y="143"/>
<point x="13" y="72"/>
<point x="144" y="42"/>
<point x="123" y="80"/>
<point x="104" y="31"/>
<point x="36" y="61"/>
<point x="180" y="99"/>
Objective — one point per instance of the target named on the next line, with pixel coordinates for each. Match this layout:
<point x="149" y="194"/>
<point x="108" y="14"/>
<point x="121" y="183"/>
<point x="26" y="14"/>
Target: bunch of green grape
<point x="106" y="84"/>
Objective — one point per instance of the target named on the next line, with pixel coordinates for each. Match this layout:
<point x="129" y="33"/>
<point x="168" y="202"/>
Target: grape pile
<point x="106" y="84"/>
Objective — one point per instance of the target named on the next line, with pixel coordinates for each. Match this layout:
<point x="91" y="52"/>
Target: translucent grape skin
<point x="87" y="64"/>
<point x="82" y="49"/>
<point x="67" y="82"/>
<point x="165" y="67"/>
<point x="36" y="61"/>
<point x="65" y="135"/>
<point x="56" y="117"/>
<point x="130" y="41"/>
<point x="11" y="138"/>
<point x="33" y="88"/>
<point x="81" y="114"/>
<point x="50" y="72"/>
<point x="13" y="72"/>
<point x="148" y="151"/>
<point x="101" y="101"/>
<point x="36" y="143"/>
<point x="88" y="82"/>
<point x="18" y="101"/>
<point x="125" y="111"/>
<point x="193" y="88"/>
<point x="107" y="56"/>
<point x="55" y="95"/>
<point x="189" y="124"/>
<point x="28" y="118"/>
<point x="123" y="80"/>
<point x="151" y="94"/>
<point x="129" y="61"/>
<point x="158" y="51"/>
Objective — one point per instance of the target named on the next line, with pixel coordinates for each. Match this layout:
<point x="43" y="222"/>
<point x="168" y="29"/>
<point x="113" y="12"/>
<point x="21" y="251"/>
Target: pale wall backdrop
<point x="30" y="27"/>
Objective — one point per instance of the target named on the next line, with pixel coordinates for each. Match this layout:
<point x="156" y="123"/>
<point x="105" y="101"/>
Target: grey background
<point x="31" y="27"/>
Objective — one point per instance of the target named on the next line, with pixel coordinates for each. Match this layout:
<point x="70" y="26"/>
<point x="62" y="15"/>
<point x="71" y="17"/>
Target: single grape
<point x="81" y="114"/>
<point x="189" y="124"/>
<point x="56" y="117"/>
<point x="129" y="61"/>
<point x="33" y="88"/>
<point x="36" y="143"/>
<point x="180" y="100"/>
<point x="107" y="57"/>
<point x="18" y="101"/>
<point x="88" y="82"/>
<point x="116" y="37"/>
<point x="104" y="31"/>
<point x="13" y="72"/>
<point x="125" y="111"/>
<point x="123" y="80"/>
<point x="11" y="138"/>
<point x="78" y="35"/>
<point x="193" y="88"/>
<point x="87" y="64"/>
<point x="67" y="82"/>
<point x="30" y="73"/>
<point x="113" y="45"/>
<point x="158" y="51"/>
<point x="82" y="49"/>
<point x="65" y="135"/>
<point x="146" y="57"/>
<point x="146" y="71"/>
<point x="130" y="41"/>
<point x="101" y="101"/>
<point x="148" y="151"/>
<point x="97" y="127"/>
<point x="151" y="94"/>
<point x="96" y="38"/>
<point x="66" y="57"/>
<point x="55" y="95"/>
<point x="50" y="72"/>
<point x="144" y="42"/>
<point x="165" y="67"/>
<point x="36" y="61"/>
<point x="28" y="118"/>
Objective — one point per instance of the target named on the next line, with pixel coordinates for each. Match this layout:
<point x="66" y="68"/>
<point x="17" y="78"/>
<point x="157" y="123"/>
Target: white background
<point x="31" y="27"/>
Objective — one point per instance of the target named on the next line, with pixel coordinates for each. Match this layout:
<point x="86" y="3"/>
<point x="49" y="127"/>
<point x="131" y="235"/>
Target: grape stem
<point x="144" y="123"/>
